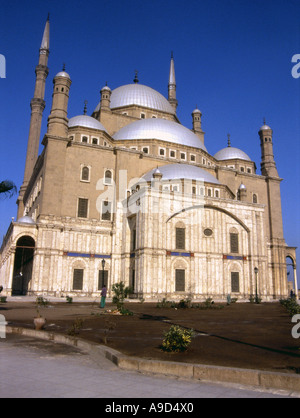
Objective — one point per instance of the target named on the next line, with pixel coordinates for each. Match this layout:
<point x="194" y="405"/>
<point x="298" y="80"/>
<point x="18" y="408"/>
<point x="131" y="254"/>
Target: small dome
<point x="105" y="88"/>
<point x="231" y="153"/>
<point x="62" y="74"/>
<point x="86" y="122"/>
<point x="264" y="128"/>
<point x="140" y="95"/>
<point x="242" y="187"/>
<point x="197" y="111"/>
<point x="182" y="171"/>
<point x="162" y="129"/>
<point x="26" y="220"/>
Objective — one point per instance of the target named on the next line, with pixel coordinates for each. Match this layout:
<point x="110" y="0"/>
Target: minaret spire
<point x="172" y="84"/>
<point x="37" y="105"/>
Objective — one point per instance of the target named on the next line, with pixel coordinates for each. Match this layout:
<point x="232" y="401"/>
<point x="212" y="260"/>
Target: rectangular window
<point x="179" y="280"/>
<point x="133" y="240"/>
<point x="235" y="282"/>
<point x="78" y="279"/>
<point x="172" y="154"/>
<point x="132" y="280"/>
<point x="106" y="211"/>
<point x="102" y="279"/>
<point x="234" y="243"/>
<point x="180" y="238"/>
<point x="82" y="208"/>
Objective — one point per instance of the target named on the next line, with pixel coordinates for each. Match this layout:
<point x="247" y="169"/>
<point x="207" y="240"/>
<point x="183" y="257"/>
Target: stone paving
<point x="31" y="368"/>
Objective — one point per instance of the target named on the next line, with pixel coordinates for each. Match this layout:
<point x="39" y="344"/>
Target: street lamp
<point x="256" y="272"/>
<point x="103" y="265"/>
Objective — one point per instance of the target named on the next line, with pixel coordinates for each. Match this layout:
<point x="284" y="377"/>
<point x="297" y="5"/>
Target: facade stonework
<point x="129" y="194"/>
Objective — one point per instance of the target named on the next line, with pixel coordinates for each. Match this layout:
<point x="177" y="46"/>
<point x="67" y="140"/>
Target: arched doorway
<point x="23" y="265"/>
<point x="291" y="275"/>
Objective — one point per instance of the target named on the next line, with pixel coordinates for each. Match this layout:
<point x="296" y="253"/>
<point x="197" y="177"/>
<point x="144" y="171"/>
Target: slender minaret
<point x="268" y="165"/>
<point x="58" y="118"/>
<point x="37" y="105"/>
<point x="172" y="85"/>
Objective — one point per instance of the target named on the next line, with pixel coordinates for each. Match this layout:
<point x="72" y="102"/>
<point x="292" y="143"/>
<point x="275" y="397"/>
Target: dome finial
<point x="264" y="121"/>
<point x="64" y="67"/>
<point x="229" y="141"/>
<point x="85" y="107"/>
<point x="136" y="80"/>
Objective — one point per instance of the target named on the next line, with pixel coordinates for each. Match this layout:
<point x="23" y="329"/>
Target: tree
<point x="7" y="188"/>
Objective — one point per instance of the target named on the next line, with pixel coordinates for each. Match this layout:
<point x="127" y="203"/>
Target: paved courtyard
<point x="31" y="368"/>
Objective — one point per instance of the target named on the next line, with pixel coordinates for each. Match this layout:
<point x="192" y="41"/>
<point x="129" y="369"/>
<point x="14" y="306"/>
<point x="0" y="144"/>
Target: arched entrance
<point x="23" y="265"/>
<point x="291" y="275"/>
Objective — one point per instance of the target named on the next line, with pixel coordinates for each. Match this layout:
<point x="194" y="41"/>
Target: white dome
<point x="162" y="129"/>
<point x="62" y="74"/>
<point x="25" y="220"/>
<point x="138" y="94"/>
<point x="264" y="128"/>
<point x="86" y="122"/>
<point x="182" y="171"/>
<point x="231" y="153"/>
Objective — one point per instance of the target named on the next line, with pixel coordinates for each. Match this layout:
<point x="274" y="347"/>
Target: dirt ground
<point x="241" y="335"/>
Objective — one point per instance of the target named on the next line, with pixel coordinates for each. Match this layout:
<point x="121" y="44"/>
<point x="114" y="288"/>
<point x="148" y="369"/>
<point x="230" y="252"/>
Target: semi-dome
<point x="86" y="122"/>
<point x="161" y="129"/>
<point x="26" y="220"/>
<point x="140" y="95"/>
<point x="182" y="171"/>
<point x="231" y="153"/>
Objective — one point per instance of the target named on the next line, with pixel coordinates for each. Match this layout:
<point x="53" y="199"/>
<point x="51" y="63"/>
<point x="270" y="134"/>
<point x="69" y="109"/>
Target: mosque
<point x="130" y="194"/>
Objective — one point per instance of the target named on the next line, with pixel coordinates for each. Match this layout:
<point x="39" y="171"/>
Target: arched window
<point x="108" y="177"/>
<point x="255" y="198"/>
<point x="85" y="174"/>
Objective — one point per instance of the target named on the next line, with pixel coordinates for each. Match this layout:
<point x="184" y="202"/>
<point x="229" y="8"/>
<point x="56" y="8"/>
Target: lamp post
<point x="103" y="265"/>
<point x="256" y="295"/>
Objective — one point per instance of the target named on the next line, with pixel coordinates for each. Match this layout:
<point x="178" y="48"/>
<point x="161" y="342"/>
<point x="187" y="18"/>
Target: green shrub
<point x="3" y="299"/>
<point x="124" y="311"/>
<point x="291" y="306"/>
<point x="69" y="299"/>
<point x="120" y="293"/>
<point x="177" y="339"/>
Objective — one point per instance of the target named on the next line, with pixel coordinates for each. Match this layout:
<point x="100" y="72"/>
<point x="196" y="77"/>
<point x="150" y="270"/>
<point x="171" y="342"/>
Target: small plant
<point x="40" y="303"/>
<point x="120" y="293"/>
<point x="3" y="299"/>
<point x="124" y="311"/>
<point x="76" y="327"/>
<point x="184" y="304"/>
<point x="109" y="326"/>
<point x="164" y="304"/>
<point x="69" y="299"/>
<point x="177" y="339"/>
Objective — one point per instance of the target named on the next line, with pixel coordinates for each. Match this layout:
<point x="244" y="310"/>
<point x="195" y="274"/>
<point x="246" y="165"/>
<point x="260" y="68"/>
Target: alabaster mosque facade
<point x="130" y="194"/>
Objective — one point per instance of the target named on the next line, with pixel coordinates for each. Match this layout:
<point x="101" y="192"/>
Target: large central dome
<point x="140" y="95"/>
<point x="162" y="129"/>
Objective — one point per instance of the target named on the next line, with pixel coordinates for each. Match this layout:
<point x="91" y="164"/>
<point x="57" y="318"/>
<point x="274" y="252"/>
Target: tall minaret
<point x="37" y="105"/>
<point x="268" y="165"/>
<point x="172" y="85"/>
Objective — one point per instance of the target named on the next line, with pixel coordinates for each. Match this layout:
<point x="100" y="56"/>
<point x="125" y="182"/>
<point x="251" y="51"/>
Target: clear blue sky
<point x="232" y="60"/>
